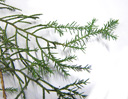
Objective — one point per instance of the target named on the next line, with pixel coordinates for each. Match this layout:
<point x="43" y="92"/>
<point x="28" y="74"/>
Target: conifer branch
<point x="35" y="67"/>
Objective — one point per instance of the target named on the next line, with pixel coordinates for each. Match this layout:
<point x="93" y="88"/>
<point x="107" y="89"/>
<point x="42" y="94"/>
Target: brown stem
<point x="2" y="83"/>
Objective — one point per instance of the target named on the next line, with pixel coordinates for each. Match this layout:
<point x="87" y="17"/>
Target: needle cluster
<point x="37" y="62"/>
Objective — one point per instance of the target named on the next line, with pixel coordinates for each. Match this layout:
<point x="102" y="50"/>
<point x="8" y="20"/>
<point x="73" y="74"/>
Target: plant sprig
<point x="35" y="63"/>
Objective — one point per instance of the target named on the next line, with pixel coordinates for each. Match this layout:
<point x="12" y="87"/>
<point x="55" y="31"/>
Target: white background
<point x="109" y="64"/>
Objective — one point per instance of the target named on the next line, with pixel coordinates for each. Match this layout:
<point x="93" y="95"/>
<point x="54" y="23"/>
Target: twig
<point x="2" y="83"/>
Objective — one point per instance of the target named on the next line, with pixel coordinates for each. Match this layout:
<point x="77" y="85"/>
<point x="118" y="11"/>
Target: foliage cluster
<point x="33" y="67"/>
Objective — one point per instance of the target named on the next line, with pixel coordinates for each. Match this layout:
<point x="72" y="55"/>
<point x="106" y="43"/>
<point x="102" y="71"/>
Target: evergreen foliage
<point x="33" y="68"/>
